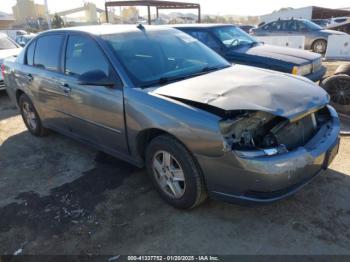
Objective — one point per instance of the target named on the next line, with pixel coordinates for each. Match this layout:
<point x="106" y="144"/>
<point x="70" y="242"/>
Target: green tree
<point x="57" y="21"/>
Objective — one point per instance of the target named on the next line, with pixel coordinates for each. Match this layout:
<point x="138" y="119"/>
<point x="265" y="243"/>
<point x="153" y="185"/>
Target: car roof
<point x="108" y="29"/>
<point x="199" y="25"/>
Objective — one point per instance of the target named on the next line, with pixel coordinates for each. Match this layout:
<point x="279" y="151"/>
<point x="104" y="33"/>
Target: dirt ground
<point x="60" y="197"/>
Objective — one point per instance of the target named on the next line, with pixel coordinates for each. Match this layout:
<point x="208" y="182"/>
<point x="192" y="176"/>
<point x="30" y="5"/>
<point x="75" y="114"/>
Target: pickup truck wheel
<point x="319" y="46"/>
<point x="30" y="117"/>
<point x="174" y="173"/>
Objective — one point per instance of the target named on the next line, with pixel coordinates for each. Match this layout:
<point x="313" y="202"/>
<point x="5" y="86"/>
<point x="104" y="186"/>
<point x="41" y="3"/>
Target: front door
<point x="94" y="113"/>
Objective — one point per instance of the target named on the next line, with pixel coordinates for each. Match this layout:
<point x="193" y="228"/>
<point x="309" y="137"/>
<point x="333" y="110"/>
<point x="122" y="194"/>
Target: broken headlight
<point x="259" y="133"/>
<point x="250" y="133"/>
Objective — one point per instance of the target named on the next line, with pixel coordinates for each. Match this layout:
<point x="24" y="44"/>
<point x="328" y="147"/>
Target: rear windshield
<point x="6" y="43"/>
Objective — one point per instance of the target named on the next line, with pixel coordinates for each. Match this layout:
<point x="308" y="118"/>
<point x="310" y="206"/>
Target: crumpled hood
<point x="247" y="88"/>
<point x="290" y="55"/>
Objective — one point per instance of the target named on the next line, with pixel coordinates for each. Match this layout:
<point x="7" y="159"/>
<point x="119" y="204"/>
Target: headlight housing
<point x="302" y="70"/>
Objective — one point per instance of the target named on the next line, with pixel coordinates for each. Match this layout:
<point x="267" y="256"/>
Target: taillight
<point x="3" y="71"/>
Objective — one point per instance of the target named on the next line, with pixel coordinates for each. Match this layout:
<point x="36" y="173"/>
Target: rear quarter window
<point x="29" y="60"/>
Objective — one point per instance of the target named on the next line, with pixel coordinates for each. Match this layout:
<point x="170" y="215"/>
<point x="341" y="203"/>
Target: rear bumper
<point x="318" y="75"/>
<point x="271" y="178"/>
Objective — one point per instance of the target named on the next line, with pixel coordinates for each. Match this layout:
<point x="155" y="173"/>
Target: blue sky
<point x="222" y="7"/>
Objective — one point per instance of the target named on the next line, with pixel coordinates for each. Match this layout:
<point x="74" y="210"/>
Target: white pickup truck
<point x="8" y="48"/>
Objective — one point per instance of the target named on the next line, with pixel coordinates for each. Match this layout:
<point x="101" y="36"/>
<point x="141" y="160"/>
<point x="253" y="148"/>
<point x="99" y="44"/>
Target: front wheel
<point x="175" y="173"/>
<point x="319" y="46"/>
<point x="30" y="117"/>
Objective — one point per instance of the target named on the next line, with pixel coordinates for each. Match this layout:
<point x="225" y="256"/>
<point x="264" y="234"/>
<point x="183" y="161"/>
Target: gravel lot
<point x="60" y="197"/>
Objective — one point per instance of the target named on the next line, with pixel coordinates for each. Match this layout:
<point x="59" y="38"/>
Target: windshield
<point x="6" y="43"/>
<point x="232" y="36"/>
<point x="162" y="56"/>
<point x="312" y="25"/>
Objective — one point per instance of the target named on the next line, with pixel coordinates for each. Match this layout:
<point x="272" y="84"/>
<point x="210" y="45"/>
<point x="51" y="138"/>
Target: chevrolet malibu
<point x="158" y="98"/>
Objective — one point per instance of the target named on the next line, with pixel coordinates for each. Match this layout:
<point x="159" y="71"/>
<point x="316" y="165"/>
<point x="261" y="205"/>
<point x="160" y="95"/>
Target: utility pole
<point x="47" y="15"/>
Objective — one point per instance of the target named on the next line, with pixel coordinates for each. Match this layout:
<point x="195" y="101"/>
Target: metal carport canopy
<point x="158" y="4"/>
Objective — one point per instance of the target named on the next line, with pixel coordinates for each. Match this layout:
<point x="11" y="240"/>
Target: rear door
<point x="45" y="76"/>
<point x="40" y="78"/>
<point x="94" y="113"/>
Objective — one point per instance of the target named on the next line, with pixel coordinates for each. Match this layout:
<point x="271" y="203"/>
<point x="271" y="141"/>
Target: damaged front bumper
<point x="266" y="179"/>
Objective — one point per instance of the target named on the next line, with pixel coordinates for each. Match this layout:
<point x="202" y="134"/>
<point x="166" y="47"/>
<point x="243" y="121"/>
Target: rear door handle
<point x="66" y="88"/>
<point x="29" y="77"/>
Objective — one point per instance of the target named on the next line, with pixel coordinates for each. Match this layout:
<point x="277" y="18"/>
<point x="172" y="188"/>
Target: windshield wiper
<point x="163" y="81"/>
<point x="167" y="80"/>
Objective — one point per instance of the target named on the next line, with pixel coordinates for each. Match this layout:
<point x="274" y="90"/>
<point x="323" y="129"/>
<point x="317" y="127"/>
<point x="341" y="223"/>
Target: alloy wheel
<point x="169" y="174"/>
<point x="339" y="91"/>
<point x="29" y="115"/>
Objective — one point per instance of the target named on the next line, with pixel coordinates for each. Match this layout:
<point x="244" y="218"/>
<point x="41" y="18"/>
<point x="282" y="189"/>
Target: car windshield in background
<point x="6" y="43"/>
<point x="160" y="57"/>
<point x="312" y="25"/>
<point x="232" y="36"/>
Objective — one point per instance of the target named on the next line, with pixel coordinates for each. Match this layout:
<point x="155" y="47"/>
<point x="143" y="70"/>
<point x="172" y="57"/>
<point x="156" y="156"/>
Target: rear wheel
<point x="175" y="173"/>
<point x="319" y="46"/>
<point x="31" y="117"/>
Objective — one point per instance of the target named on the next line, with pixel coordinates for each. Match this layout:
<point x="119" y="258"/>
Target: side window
<point x="273" y="26"/>
<point x="205" y="38"/>
<point x="30" y="54"/>
<point x="302" y="27"/>
<point x="291" y="25"/>
<point x="83" y="55"/>
<point x="48" y="51"/>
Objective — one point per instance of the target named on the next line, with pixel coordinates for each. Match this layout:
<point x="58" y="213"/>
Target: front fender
<point x="197" y="129"/>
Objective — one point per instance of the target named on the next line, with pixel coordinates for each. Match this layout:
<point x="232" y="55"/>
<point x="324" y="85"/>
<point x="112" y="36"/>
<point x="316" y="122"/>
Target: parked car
<point x="238" y="47"/>
<point x="315" y="36"/>
<point x="22" y="40"/>
<point x="7" y="48"/>
<point x="246" y="28"/>
<point x="13" y="33"/>
<point x="336" y="21"/>
<point x="321" y="22"/>
<point x="156" y="97"/>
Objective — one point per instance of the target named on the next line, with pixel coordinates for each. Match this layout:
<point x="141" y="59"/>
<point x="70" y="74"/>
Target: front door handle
<point x="66" y="88"/>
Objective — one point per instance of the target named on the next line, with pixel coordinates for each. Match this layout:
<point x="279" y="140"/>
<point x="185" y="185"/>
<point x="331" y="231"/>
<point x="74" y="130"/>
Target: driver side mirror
<point x="95" y="78"/>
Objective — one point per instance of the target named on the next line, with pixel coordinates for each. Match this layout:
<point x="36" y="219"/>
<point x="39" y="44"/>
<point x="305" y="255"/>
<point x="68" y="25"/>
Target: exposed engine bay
<point x="254" y="130"/>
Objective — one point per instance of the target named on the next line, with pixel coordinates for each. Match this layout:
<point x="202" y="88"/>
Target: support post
<point x="149" y="14"/>
<point x="199" y="14"/>
<point x="106" y="10"/>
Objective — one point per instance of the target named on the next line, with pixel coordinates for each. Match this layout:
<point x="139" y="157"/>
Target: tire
<point x="343" y="69"/>
<point x="338" y="88"/>
<point x="31" y="117"/>
<point x="319" y="46"/>
<point x="186" y="194"/>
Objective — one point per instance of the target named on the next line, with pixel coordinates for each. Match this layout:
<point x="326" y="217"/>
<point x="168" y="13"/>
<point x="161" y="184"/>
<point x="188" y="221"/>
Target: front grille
<point x="296" y="134"/>
<point x="2" y="84"/>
